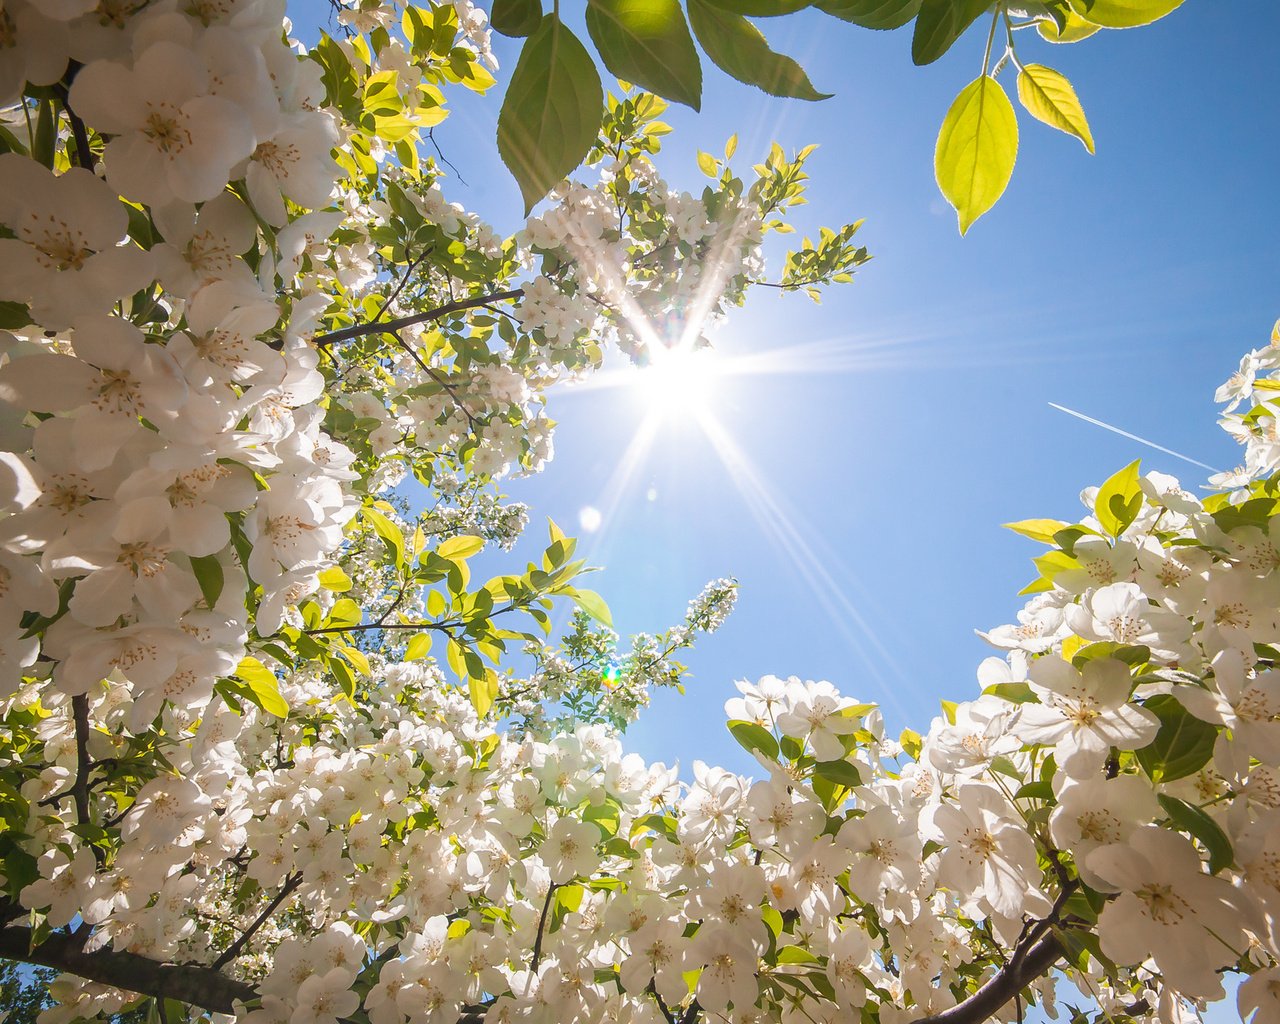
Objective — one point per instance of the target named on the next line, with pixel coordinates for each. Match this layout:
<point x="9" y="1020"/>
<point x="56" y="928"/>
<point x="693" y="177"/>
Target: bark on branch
<point x="1008" y="982"/>
<point x="188" y="983"/>
<point x="390" y="326"/>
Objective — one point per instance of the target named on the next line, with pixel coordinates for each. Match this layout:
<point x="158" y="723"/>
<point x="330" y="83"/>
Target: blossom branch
<point x="391" y="326"/>
<point x="536" y="958"/>
<point x="449" y="388"/>
<point x="1035" y="962"/>
<point x="290" y="884"/>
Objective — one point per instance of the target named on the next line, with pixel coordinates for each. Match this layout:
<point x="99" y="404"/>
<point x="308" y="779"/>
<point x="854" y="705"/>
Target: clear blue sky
<point x="1124" y="285"/>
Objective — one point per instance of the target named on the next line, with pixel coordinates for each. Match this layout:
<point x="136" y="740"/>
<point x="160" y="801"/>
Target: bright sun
<point x="678" y="381"/>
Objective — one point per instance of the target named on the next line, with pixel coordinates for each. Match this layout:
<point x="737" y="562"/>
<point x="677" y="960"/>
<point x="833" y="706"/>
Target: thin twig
<point x="443" y="382"/>
<point x="542" y="921"/>
<point x="286" y="890"/>
<point x="390" y="326"/>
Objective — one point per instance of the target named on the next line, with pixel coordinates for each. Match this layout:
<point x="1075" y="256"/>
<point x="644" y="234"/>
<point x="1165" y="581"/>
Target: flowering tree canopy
<point x="270" y="751"/>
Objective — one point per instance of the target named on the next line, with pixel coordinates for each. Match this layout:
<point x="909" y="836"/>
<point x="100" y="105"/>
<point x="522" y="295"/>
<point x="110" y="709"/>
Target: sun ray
<point x="780" y="525"/>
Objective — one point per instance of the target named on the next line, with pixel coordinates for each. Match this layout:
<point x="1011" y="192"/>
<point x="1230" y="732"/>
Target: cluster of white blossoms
<point x="238" y="310"/>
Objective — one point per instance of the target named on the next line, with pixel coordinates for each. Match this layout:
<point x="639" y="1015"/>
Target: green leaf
<point x="1072" y="30"/>
<point x="264" y="686"/>
<point x="482" y="688"/>
<point x="842" y="773"/>
<point x="456" y="548"/>
<point x="1202" y="827"/>
<point x="1124" y="13"/>
<point x="648" y="42"/>
<point x="515" y="17"/>
<point x="755" y="738"/>
<point x="1037" y="529"/>
<point x="739" y="49"/>
<point x="208" y="572"/>
<point x="707" y="165"/>
<point x="388" y="531"/>
<point x="1014" y="693"/>
<point x="335" y="579"/>
<point x="419" y="647"/>
<point x="46" y="135"/>
<point x="876" y="14"/>
<point x="551" y="113"/>
<point x="593" y="604"/>
<point x="345" y="612"/>
<point x="795" y="955"/>
<point x="1119" y="500"/>
<point x="1049" y="97"/>
<point x="977" y="148"/>
<point x="13" y="314"/>
<point x="911" y="743"/>
<point x="1183" y="745"/>
<point x="939" y="24"/>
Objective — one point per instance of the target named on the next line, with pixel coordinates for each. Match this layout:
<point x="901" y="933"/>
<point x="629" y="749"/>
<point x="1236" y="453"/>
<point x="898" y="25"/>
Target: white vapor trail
<point x="1132" y="437"/>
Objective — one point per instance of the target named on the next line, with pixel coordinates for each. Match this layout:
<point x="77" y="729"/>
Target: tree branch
<point x="290" y="884"/>
<point x="389" y="326"/>
<point x="536" y="958"/>
<point x="1034" y="962"/>
<point x="188" y="983"/>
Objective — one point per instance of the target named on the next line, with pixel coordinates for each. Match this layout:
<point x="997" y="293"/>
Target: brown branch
<point x="1021" y="971"/>
<point x="84" y="153"/>
<point x="390" y="326"/>
<point x="194" y="984"/>
<point x="290" y="884"/>
<point x="449" y="388"/>
<point x="542" y="923"/>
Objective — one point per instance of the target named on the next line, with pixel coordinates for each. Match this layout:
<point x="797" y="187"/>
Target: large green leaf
<point x="1049" y="97"/>
<point x="648" y="42"/>
<point x="263" y="687"/>
<point x="1183" y="745"/>
<point x="977" y="148"/>
<point x="1119" y="500"/>
<point x="739" y="49"/>
<point x="516" y="17"/>
<point x="1192" y="819"/>
<point x="877" y="14"/>
<point x="755" y="737"/>
<point x="1124" y="13"/>
<point x="551" y="113"/>
<point x="940" y="23"/>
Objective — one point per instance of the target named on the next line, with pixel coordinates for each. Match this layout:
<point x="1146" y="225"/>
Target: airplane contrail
<point x="1133" y="437"/>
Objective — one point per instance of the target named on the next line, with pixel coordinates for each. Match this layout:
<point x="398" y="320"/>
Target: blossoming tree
<point x="270" y="751"/>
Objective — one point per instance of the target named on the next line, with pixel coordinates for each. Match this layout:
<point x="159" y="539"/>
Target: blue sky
<point x="1124" y="285"/>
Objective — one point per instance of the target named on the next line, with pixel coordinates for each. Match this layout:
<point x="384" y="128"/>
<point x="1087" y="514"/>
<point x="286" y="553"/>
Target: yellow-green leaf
<point x="707" y="164"/>
<point x="1074" y="28"/>
<point x="483" y="690"/>
<point x="435" y="604"/>
<point x="1038" y="529"/>
<point x="977" y="148"/>
<point x="593" y="604"/>
<point x="356" y="657"/>
<point x="419" y="647"/>
<point x="1049" y="97"/>
<point x="335" y="579"/>
<point x="266" y="688"/>
<point x="456" y="548"/>
<point x="1119" y="500"/>
<point x="1124" y="13"/>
